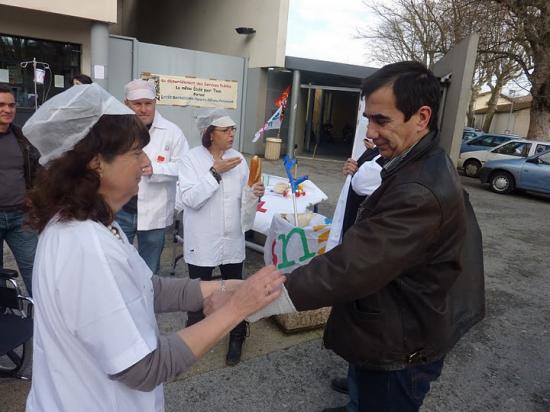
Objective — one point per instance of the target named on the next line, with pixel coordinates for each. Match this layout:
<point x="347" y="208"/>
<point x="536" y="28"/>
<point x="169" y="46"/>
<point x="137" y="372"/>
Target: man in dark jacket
<point x="407" y="281"/>
<point x="18" y="164"/>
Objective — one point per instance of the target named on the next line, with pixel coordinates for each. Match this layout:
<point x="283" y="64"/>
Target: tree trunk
<point x="492" y="106"/>
<point x="470" y="114"/>
<point x="539" y="125"/>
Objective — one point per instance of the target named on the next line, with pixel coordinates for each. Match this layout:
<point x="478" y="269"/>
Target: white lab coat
<point x="212" y="230"/>
<point x="157" y="193"/>
<point x="93" y="317"/>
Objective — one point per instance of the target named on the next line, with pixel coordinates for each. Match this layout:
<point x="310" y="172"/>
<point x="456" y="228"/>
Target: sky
<point x="325" y="30"/>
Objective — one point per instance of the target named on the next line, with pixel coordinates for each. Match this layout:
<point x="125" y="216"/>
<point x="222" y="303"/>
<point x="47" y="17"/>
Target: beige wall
<point x="47" y="26"/>
<point x="209" y="25"/>
<point x="100" y="10"/>
<point x="518" y="123"/>
<point x="483" y="100"/>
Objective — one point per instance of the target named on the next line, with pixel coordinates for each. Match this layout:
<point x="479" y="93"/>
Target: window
<point x="482" y="141"/>
<point x="519" y="149"/>
<point x="63" y="58"/>
<point x="499" y="140"/>
<point x="545" y="158"/>
<point x="542" y="148"/>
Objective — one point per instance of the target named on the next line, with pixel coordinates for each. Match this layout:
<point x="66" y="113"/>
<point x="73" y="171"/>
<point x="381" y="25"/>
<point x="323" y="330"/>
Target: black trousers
<point x="228" y="271"/>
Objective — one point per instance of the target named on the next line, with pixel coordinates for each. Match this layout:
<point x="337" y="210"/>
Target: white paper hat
<point x="65" y="119"/>
<point x="216" y="117"/>
<point x="140" y="89"/>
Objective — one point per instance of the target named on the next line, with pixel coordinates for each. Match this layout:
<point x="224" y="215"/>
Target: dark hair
<point x="68" y="187"/>
<point x="5" y="89"/>
<point x="82" y="78"/>
<point x="414" y="86"/>
<point x="206" y="136"/>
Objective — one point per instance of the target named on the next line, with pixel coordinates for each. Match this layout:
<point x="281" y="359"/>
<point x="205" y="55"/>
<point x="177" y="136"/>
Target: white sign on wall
<point x="193" y="91"/>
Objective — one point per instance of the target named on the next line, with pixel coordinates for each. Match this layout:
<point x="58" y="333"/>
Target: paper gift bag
<point x="289" y="246"/>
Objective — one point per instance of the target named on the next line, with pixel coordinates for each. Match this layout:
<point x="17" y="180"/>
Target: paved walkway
<point x="499" y="366"/>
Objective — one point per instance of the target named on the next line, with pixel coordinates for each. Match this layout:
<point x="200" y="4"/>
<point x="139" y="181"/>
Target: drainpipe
<point x="292" y="108"/>
<point x="99" y="36"/>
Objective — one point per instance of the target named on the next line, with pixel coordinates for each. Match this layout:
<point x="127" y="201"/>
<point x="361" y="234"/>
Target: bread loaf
<point x="255" y="171"/>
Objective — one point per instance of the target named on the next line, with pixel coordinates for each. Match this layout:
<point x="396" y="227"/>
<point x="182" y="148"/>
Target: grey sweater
<point x="172" y="356"/>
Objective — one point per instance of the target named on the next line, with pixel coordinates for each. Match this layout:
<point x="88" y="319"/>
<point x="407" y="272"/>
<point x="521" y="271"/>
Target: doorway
<point x="330" y="121"/>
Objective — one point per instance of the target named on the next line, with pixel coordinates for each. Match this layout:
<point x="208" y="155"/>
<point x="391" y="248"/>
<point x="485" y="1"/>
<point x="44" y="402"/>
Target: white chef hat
<point x="140" y="89"/>
<point x="215" y="117"/>
<point x="65" y="119"/>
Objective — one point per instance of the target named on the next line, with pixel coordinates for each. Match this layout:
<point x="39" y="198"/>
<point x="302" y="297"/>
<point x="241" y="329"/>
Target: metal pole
<point x="99" y="36"/>
<point x="292" y="109"/>
<point x="34" y="80"/>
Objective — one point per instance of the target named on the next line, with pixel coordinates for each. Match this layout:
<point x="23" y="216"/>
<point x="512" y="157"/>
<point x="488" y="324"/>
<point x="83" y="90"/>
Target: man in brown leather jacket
<point x="407" y="281"/>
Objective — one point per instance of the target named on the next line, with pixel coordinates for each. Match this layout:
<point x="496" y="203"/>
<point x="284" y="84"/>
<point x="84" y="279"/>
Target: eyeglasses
<point x="227" y="130"/>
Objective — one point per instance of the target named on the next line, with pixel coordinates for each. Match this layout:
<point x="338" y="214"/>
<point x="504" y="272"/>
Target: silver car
<point x="506" y="175"/>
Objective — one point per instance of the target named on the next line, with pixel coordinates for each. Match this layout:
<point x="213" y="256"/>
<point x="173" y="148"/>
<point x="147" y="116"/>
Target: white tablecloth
<point x="272" y="203"/>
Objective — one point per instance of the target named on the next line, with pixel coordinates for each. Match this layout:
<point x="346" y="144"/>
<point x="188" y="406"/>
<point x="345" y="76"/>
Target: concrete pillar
<point x="292" y="112"/>
<point x="99" y="36"/>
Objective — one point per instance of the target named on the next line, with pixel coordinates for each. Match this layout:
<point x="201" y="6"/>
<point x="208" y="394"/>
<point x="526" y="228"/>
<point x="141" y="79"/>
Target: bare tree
<point x="424" y="30"/>
<point x="528" y="21"/>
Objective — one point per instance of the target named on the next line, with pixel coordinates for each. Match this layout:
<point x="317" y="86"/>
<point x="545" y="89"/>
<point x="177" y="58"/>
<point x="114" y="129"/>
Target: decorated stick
<point x="294" y="182"/>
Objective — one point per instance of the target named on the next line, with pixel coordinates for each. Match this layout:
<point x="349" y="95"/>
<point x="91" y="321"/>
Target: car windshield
<point x="482" y="141"/>
<point x="520" y="149"/>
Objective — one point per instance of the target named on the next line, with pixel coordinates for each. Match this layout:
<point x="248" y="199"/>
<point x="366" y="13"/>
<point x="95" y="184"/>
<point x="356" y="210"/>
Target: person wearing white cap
<point x="213" y="189"/>
<point x="97" y="346"/>
<point x="148" y="214"/>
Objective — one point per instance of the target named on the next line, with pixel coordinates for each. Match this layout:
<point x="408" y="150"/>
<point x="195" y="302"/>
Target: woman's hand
<point x="257" y="291"/>
<point x="258" y="189"/>
<point x="215" y="301"/>
<point x="224" y="165"/>
<point x="350" y="167"/>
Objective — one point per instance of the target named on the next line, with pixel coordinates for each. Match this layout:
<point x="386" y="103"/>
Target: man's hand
<point x="223" y="165"/>
<point x="350" y="167"/>
<point x="258" y="189"/>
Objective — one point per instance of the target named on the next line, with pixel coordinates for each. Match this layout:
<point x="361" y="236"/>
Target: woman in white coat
<point x="97" y="346"/>
<point x="213" y="189"/>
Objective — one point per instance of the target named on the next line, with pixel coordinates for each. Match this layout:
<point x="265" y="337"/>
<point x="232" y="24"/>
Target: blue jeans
<point x="403" y="390"/>
<point x="21" y="241"/>
<point x="150" y="242"/>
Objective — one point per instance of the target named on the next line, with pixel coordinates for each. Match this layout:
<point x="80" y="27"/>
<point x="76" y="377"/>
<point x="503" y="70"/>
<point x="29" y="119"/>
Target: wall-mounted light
<point x="245" y="30"/>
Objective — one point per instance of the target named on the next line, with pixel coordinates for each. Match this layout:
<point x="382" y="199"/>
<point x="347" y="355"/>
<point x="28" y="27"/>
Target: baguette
<point x="255" y="173"/>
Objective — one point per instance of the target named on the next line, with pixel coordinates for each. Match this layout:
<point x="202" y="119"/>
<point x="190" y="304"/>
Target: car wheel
<point x="471" y="167"/>
<point x="502" y="182"/>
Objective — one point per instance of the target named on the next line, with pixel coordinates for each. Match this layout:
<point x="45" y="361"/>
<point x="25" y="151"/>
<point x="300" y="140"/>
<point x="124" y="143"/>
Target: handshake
<point x="261" y="295"/>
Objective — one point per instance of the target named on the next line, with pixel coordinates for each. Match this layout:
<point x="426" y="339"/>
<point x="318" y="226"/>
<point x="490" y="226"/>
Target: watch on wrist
<point x="215" y="174"/>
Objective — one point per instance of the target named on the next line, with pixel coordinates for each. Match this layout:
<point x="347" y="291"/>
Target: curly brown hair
<point x="68" y="187"/>
<point x="206" y="138"/>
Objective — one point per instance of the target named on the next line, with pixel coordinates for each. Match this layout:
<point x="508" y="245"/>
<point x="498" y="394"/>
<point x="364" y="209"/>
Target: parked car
<point x="504" y="176"/>
<point x="486" y="141"/>
<point x="469" y="133"/>
<point x="471" y="162"/>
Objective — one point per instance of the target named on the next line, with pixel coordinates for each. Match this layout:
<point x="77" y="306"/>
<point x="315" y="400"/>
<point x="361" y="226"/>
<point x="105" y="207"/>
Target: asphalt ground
<point x="502" y="364"/>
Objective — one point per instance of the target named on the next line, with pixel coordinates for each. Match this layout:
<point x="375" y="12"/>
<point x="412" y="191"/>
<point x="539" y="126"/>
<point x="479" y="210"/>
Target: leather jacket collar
<point x="425" y="144"/>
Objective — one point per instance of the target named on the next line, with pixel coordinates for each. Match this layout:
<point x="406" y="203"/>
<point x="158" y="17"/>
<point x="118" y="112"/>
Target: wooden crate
<point x="299" y="321"/>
